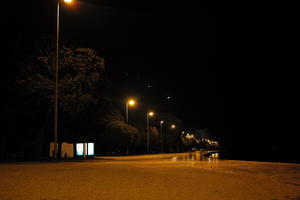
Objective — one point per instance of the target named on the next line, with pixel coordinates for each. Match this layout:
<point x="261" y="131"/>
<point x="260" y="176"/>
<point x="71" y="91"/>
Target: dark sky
<point x="219" y="63"/>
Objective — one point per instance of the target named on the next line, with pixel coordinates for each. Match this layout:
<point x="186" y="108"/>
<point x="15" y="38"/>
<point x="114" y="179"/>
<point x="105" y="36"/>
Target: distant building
<point x="202" y="133"/>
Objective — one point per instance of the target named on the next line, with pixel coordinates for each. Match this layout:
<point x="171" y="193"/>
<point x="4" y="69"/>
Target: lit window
<point x="90" y="151"/>
<point x="79" y="149"/>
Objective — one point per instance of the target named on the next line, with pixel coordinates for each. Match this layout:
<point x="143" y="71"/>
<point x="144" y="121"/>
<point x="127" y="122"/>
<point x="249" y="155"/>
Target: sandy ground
<point x="165" y="176"/>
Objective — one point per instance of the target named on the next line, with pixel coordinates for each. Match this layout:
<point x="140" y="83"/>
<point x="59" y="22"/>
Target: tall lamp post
<point x="56" y="79"/>
<point x="173" y="126"/>
<point x="148" y="114"/>
<point x="130" y="102"/>
<point x="161" y="136"/>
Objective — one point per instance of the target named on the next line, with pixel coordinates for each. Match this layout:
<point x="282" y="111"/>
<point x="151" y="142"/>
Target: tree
<point x="120" y="136"/>
<point x="80" y="73"/>
<point x="80" y="70"/>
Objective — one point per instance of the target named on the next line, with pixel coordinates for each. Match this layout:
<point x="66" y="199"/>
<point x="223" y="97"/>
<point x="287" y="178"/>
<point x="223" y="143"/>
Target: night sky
<point x="218" y="63"/>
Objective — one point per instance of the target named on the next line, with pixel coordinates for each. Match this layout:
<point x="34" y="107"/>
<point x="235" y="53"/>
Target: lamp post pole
<point x="127" y="112"/>
<point x="173" y="126"/>
<point x="56" y="83"/>
<point x="148" y="145"/>
<point x="56" y="78"/>
<point x="161" y="136"/>
<point x="129" y="102"/>
<point x="148" y="149"/>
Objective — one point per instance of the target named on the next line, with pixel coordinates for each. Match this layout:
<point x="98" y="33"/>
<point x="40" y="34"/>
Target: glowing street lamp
<point x="56" y="79"/>
<point x="182" y="133"/>
<point x="173" y="126"/>
<point x="161" y="136"/>
<point x="148" y="114"/>
<point x="130" y="102"/>
<point x="151" y="113"/>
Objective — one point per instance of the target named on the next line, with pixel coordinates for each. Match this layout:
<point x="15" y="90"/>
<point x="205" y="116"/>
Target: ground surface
<point x="165" y="176"/>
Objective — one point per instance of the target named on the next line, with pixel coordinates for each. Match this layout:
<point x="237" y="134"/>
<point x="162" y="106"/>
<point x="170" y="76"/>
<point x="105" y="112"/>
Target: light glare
<point x="131" y="102"/>
<point x="151" y="113"/>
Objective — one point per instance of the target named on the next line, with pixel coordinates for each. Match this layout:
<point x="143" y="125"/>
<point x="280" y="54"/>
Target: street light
<point x="189" y="137"/>
<point x="130" y="102"/>
<point x="56" y="79"/>
<point x="148" y="114"/>
<point x="161" y="136"/>
<point x="173" y="126"/>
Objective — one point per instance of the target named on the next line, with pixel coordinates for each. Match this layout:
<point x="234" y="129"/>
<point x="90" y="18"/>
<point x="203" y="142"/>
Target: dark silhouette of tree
<point x="81" y="71"/>
<point x="121" y="137"/>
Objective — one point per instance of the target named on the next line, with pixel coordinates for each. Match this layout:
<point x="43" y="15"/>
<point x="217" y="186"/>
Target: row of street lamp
<point x="149" y="114"/>
<point x="130" y="102"/>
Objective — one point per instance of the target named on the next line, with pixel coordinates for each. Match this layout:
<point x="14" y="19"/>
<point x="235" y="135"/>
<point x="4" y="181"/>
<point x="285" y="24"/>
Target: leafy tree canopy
<point x="80" y="70"/>
<point x="121" y="133"/>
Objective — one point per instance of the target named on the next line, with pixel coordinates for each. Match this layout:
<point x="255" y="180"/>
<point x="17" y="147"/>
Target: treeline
<point x="85" y="112"/>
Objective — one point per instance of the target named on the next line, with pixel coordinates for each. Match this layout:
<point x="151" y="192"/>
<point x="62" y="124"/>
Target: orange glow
<point x="131" y="102"/>
<point x="68" y="1"/>
<point x="173" y="126"/>
<point x="151" y="113"/>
